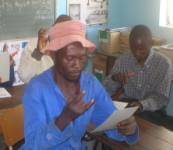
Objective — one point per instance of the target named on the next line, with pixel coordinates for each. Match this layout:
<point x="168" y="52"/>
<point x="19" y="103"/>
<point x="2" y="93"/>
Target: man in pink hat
<point x="62" y="101"/>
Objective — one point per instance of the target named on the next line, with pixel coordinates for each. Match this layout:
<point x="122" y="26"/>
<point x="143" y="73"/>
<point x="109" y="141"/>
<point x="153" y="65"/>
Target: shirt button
<point x="49" y="136"/>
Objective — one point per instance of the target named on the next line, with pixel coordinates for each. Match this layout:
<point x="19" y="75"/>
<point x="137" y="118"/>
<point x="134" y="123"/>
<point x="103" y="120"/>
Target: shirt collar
<point x="150" y="56"/>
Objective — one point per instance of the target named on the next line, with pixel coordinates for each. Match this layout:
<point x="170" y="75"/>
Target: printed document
<point x="4" y="66"/>
<point x="115" y="118"/>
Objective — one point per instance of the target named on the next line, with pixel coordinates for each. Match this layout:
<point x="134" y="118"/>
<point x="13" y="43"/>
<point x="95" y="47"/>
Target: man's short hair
<point x="140" y="31"/>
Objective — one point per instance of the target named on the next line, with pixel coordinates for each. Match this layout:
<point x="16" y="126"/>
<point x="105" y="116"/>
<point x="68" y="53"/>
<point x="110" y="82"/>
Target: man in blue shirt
<point x="61" y="102"/>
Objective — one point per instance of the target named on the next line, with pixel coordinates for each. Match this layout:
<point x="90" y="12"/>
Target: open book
<point x="4" y="66"/>
<point x="121" y="114"/>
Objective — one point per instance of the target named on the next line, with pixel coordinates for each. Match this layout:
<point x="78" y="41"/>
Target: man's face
<point x="140" y="48"/>
<point x="70" y="61"/>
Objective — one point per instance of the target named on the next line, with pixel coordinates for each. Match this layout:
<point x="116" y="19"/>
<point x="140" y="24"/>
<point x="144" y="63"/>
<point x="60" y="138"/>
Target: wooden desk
<point x="152" y="137"/>
<point x="13" y="101"/>
<point x="11" y="116"/>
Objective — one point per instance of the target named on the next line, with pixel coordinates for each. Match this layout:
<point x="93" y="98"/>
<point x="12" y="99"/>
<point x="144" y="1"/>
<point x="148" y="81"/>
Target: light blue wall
<point x="146" y="12"/>
<point x="128" y="13"/>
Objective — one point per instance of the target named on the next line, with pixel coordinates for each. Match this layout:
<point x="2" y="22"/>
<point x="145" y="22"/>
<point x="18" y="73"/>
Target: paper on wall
<point x="4" y="66"/>
<point x="115" y="118"/>
<point x="15" y="49"/>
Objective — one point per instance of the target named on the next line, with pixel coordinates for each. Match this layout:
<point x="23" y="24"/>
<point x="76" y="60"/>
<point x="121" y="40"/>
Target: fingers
<point x="138" y="104"/>
<point x="127" y="131"/>
<point x="132" y="104"/>
<point x="123" y="76"/>
<point x="127" y="126"/>
<point x="88" y="105"/>
<point x="127" y="122"/>
<point x="81" y="102"/>
<point x="77" y="106"/>
<point x="130" y="73"/>
<point x="79" y="98"/>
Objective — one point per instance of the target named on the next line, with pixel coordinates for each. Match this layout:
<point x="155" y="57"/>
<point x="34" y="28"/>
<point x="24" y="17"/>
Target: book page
<point x="115" y="118"/>
<point x="4" y="66"/>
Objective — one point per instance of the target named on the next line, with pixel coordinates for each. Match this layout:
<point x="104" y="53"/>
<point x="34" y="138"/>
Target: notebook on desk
<point x="4" y="66"/>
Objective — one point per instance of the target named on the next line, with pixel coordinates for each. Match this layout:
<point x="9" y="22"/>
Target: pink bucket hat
<point x="66" y="33"/>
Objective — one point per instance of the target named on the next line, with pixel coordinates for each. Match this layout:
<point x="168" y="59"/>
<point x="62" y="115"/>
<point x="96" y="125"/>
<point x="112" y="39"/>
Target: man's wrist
<point x="62" y="121"/>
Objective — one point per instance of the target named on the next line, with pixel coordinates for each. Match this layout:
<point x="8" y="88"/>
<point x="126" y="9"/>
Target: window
<point x="166" y="13"/>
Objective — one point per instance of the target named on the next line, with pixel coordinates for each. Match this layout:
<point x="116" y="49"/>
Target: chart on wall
<point x="14" y="48"/>
<point x="89" y="11"/>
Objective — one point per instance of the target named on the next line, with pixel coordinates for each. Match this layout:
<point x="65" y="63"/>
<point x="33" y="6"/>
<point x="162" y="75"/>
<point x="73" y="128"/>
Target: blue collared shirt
<point x="43" y="101"/>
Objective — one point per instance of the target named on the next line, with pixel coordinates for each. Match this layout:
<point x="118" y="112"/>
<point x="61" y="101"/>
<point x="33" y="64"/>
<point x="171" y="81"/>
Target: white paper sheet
<point x="120" y="105"/>
<point x="4" y="93"/>
<point x="115" y="118"/>
<point x="4" y="66"/>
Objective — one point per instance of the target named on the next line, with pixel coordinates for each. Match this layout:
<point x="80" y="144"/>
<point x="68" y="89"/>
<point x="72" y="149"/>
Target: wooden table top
<point x="152" y="137"/>
<point x="16" y="92"/>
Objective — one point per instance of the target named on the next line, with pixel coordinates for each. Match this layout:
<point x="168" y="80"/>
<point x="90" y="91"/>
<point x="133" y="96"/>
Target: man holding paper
<point x="61" y="102"/>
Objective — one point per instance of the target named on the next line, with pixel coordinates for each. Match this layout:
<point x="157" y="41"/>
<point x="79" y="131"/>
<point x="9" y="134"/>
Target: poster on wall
<point x="89" y="11"/>
<point x="14" y="48"/>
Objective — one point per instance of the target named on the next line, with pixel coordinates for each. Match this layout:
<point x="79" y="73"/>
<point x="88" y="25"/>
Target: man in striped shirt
<point x="143" y="74"/>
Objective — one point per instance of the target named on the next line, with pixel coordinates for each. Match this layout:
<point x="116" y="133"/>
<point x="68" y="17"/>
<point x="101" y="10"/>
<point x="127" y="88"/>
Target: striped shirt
<point x="150" y="84"/>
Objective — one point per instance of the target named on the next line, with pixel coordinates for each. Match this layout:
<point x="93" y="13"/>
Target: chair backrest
<point x="11" y="122"/>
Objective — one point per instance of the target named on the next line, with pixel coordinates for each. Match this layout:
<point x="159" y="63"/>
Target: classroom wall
<point x="146" y="12"/>
<point x="92" y="30"/>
